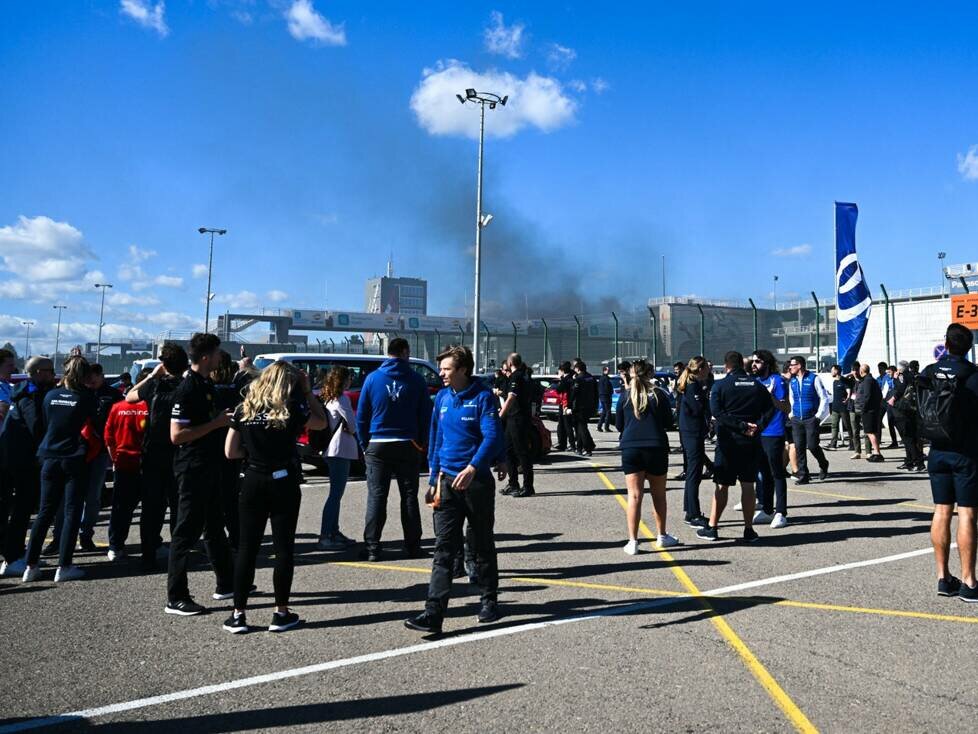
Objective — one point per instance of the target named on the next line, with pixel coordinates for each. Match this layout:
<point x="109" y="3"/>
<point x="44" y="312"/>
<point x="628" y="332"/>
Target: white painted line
<point x="434" y="645"/>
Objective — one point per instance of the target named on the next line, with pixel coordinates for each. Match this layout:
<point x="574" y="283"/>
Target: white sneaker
<point x="15" y="568"/>
<point x="762" y="517"/>
<point x="666" y="541"/>
<point x="739" y="506"/>
<point x="31" y="573"/>
<point x="116" y="555"/>
<point x="631" y="548"/>
<point x="779" y="521"/>
<point x="68" y="573"/>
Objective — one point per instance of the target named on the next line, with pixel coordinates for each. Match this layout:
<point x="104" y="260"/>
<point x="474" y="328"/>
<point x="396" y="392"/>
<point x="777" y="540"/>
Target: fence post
<point x="437" y="341"/>
<point x="578" y="322"/>
<point x="655" y="332"/>
<point x="417" y="344"/>
<point x="886" y="319"/>
<point x="332" y="344"/>
<point x="754" y="309"/>
<point x="461" y="334"/>
<point x="702" y="331"/>
<point x="546" y="345"/>
<point x="514" y="336"/>
<point x="488" y="337"/>
<point x="818" y="338"/>
<point x="616" y="338"/>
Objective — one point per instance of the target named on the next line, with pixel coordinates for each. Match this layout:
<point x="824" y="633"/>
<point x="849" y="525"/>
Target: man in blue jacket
<point x="466" y="439"/>
<point x="393" y="417"/>
<point x="810" y="402"/>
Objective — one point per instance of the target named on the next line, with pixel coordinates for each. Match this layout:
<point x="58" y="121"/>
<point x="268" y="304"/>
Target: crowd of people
<point x="214" y="442"/>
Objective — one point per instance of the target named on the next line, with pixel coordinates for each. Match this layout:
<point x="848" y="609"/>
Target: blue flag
<point x="852" y="299"/>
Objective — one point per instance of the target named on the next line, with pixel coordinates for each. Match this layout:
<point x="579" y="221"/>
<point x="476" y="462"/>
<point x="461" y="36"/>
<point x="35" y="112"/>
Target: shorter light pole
<point x="57" y="334"/>
<point x="940" y="261"/>
<point x="101" y="321"/>
<point x="210" y="267"/>
<point x="774" y="293"/>
<point x="27" y="341"/>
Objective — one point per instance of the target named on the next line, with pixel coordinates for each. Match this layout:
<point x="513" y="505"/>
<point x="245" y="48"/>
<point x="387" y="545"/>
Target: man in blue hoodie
<point x="393" y="417"/>
<point x="466" y="439"/>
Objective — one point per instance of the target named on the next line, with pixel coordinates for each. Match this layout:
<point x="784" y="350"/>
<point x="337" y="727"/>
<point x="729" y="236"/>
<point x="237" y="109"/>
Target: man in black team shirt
<point x="515" y="414"/>
<point x="194" y="430"/>
<point x="159" y="485"/>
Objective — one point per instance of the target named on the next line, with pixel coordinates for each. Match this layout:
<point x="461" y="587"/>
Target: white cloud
<point x="137" y="254"/>
<point x="327" y="218"/>
<point x="127" y="299"/>
<point x="560" y="57"/>
<point x="599" y="85"/>
<point x="968" y="164"/>
<point x="199" y="270"/>
<point x="577" y="85"/>
<point x="146" y="15"/>
<point x="305" y="24"/>
<point x="174" y="320"/>
<point x="796" y="251"/>
<point x="167" y="281"/>
<point x="504" y="40"/>
<point x="536" y="101"/>
<point x="41" y="249"/>
<point x="131" y="271"/>
<point x="241" y="299"/>
<point x="276" y="296"/>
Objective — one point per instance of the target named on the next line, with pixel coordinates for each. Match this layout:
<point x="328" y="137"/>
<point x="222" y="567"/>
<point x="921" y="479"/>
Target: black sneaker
<point x="184" y="608"/>
<point x="823" y="473"/>
<point x="875" y="459"/>
<point x="697" y="522"/>
<point x="222" y="595"/>
<point x="749" y="536"/>
<point x="968" y="593"/>
<point x="508" y="490"/>
<point x="415" y="552"/>
<point x="282" y="621"/>
<point x="458" y="571"/>
<point x="707" y="474"/>
<point x="51" y="549"/>
<point x="949" y="586"/>
<point x="708" y="533"/>
<point x="424" y="622"/>
<point x="525" y="492"/>
<point x="489" y="612"/>
<point x="904" y="465"/>
<point x="921" y="467"/>
<point x="681" y="477"/>
<point x="802" y="480"/>
<point x="373" y="555"/>
<point x="235" y="624"/>
<point x="88" y="545"/>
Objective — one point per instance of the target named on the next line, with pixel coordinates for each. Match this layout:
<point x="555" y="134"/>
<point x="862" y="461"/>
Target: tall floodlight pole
<point x="482" y="99"/>
<point x="27" y="340"/>
<point x="57" y="334"/>
<point x="940" y="261"/>
<point x="101" y="321"/>
<point x="774" y="293"/>
<point x="210" y="267"/>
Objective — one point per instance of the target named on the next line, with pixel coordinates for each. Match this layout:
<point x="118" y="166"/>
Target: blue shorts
<point x="735" y="462"/>
<point x="953" y="478"/>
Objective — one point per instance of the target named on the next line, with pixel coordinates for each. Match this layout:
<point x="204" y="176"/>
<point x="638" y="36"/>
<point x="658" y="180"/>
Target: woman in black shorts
<point x="263" y="433"/>
<point x="642" y="418"/>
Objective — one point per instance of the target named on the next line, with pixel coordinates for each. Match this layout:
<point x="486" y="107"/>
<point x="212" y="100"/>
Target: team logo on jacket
<point x="394" y="391"/>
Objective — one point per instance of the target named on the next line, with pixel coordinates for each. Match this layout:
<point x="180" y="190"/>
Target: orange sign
<point x="964" y="310"/>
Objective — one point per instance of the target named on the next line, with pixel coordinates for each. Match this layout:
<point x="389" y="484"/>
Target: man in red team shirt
<point x="124" y="431"/>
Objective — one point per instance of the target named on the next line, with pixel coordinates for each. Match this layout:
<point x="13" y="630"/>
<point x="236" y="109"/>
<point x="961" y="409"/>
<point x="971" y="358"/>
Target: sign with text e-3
<point x="964" y="310"/>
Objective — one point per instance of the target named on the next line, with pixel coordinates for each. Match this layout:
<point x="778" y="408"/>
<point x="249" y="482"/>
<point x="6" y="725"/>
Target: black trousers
<point x="159" y="490"/>
<point x="23" y="491"/>
<point x="891" y="421"/>
<point x="385" y="461"/>
<point x="773" y="489"/>
<point x="910" y="433"/>
<point x="518" y="457"/>
<point x="125" y="497"/>
<point x="61" y="480"/>
<point x="198" y="513"/>
<point x="261" y="499"/>
<point x="694" y="458"/>
<point x="230" y="481"/>
<point x="566" y="437"/>
<point x="581" y="424"/>
<point x="805" y="435"/>
<point x="604" y="413"/>
<point x="477" y="505"/>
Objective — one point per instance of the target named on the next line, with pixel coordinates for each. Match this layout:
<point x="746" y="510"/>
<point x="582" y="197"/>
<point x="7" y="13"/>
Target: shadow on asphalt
<point x="721" y="607"/>
<point x="287" y="716"/>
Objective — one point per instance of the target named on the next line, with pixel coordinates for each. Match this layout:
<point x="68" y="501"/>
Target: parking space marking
<point x="755" y="666"/>
<point x="917" y="505"/>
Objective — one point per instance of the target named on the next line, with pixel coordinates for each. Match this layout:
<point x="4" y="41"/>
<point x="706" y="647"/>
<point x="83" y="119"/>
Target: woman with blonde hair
<point x="643" y="417"/>
<point x="343" y="448"/>
<point x="694" y="424"/>
<point x="263" y="432"/>
<point x="64" y="473"/>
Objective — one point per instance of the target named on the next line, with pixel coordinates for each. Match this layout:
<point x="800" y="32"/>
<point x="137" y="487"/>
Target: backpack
<point x="320" y="440"/>
<point x="942" y="405"/>
<point x="907" y="404"/>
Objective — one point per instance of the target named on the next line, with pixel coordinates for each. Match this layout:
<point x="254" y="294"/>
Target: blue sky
<point x="324" y="136"/>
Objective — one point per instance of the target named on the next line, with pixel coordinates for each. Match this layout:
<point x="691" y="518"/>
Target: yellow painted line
<point x="757" y="669"/>
<point x="853" y="497"/>
<point x="880" y="612"/>
<point x="382" y="567"/>
<point x="599" y="587"/>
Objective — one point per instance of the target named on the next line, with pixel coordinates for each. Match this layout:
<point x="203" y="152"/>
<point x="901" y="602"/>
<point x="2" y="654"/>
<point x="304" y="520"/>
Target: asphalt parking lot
<point x="831" y="624"/>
